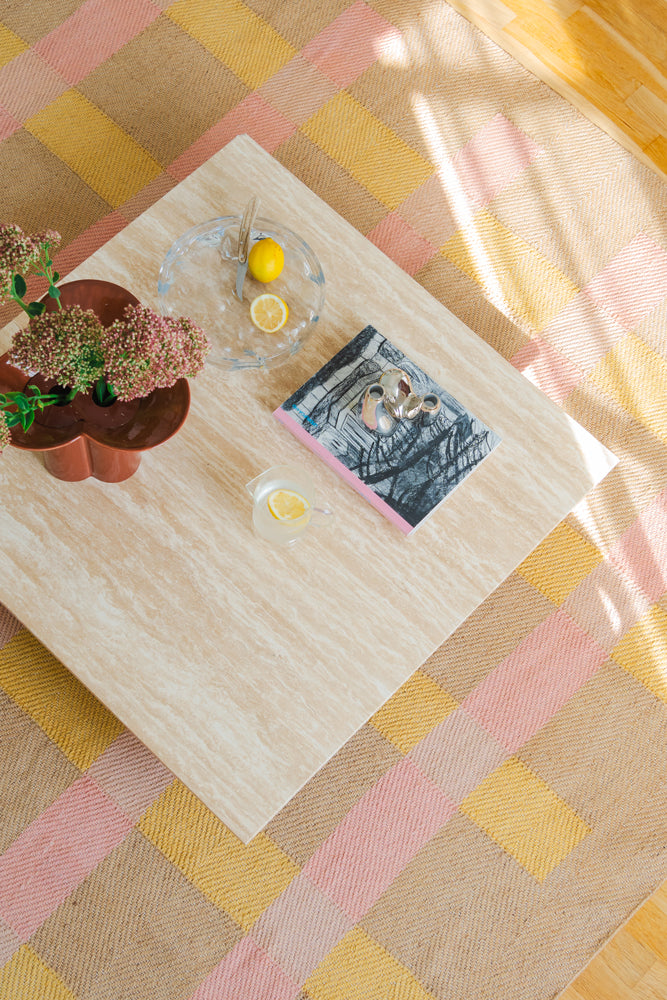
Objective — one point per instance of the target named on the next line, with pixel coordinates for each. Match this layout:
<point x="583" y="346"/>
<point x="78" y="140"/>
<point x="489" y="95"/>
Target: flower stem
<point x="23" y="304"/>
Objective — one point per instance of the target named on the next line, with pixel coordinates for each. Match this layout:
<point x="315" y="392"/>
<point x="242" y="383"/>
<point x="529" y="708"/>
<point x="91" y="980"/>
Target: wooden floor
<point x="609" y="59"/>
<point x="633" y="965"/>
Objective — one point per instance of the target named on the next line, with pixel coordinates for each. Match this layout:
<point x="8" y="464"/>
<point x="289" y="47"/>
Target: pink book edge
<point x="366" y="492"/>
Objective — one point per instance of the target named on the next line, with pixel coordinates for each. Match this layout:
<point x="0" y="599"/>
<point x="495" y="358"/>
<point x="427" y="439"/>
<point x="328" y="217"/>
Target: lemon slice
<point x="268" y="312"/>
<point x="286" y="505"/>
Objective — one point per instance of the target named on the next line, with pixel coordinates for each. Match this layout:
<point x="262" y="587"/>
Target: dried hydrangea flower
<point x="21" y="254"/>
<point x="145" y="351"/>
<point x="64" y="345"/>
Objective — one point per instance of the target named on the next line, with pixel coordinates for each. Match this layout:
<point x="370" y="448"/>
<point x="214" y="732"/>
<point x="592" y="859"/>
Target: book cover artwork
<point x="408" y="473"/>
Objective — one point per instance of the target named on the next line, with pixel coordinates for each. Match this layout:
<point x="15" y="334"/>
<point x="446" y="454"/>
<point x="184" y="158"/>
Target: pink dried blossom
<point x="145" y="351"/>
<point x="49" y="239"/>
<point x="64" y="345"/>
<point x="20" y="253"/>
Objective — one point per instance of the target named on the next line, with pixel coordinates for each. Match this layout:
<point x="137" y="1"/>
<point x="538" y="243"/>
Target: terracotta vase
<point x="82" y="439"/>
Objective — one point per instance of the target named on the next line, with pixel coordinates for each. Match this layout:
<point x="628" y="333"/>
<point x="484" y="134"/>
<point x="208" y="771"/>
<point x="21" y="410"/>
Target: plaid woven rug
<point x="486" y="831"/>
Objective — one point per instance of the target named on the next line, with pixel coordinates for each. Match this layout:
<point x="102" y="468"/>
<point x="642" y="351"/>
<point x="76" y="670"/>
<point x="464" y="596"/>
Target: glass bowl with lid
<point x="198" y="279"/>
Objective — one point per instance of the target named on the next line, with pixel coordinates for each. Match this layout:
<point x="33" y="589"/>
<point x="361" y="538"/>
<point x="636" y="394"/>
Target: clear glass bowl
<point x="198" y="279"/>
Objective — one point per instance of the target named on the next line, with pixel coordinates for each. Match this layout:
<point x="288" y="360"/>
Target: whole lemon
<point x="266" y="260"/>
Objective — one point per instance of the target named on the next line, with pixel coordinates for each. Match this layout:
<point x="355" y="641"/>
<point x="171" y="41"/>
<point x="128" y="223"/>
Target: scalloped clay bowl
<point x="82" y="439"/>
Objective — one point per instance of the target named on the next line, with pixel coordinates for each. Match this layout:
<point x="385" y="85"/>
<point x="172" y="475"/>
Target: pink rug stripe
<point x="430" y="212"/>
<point x="458" y="754"/>
<point x="535" y="680"/>
<point x="351" y="43"/>
<point x="497" y="154"/>
<point x="547" y="369"/>
<point x="56" y="852"/>
<point x="253" y="117"/>
<point x="583" y="332"/>
<point x="92" y="34"/>
<point x="298" y="90"/>
<point x="300" y="928"/>
<point x="398" y="240"/>
<point x="378" y="837"/>
<point x="8" y="124"/>
<point x="633" y="283"/>
<point x="27" y="85"/>
<point x="606" y="604"/>
<point x="641" y="551"/>
<point x="246" y="972"/>
<point x="130" y="775"/>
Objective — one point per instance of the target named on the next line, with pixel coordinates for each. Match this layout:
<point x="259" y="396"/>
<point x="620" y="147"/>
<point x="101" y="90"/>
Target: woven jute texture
<point x="487" y="830"/>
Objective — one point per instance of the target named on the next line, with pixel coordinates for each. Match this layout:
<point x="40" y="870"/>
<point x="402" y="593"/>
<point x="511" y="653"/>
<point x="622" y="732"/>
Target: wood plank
<point x="650" y="107"/>
<point x="641" y="24"/>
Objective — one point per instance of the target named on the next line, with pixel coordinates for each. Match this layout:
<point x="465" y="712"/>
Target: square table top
<point x="242" y="666"/>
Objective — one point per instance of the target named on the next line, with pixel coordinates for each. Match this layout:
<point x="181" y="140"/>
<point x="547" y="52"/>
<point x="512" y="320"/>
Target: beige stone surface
<point x="245" y="667"/>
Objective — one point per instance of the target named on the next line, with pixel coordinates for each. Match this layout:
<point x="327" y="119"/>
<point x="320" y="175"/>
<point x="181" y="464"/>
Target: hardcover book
<point x="404" y="465"/>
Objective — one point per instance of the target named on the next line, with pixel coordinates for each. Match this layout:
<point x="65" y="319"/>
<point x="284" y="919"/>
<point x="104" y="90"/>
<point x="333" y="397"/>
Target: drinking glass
<point x="266" y="524"/>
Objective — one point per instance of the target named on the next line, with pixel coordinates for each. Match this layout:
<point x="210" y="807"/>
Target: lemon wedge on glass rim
<point x="287" y="505"/>
<point x="269" y="312"/>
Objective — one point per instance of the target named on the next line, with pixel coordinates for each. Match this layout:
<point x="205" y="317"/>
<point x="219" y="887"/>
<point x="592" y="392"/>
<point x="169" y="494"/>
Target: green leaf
<point x="35" y="308"/>
<point x="28" y="420"/>
<point x="103" y="394"/>
<point x="56" y="277"/>
<point x="19" y="286"/>
<point x="54" y="292"/>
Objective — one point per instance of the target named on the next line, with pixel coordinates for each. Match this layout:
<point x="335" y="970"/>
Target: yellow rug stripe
<point x="10" y="45"/>
<point x="94" y="147"/>
<point x="635" y="376"/>
<point x="375" y="156"/>
<point x="68" y="713"/>
<point x="510" y="269"/>
<point x="360" y="969"/>
<point x="240" y="879"/>
<point x="413" y="711"/>
<point x="26" y="977"/>
<point x="235" y="35"/>
<point x="521" y="813"/>
<point x="643" y="651"/>
<point x="560" y="563"/>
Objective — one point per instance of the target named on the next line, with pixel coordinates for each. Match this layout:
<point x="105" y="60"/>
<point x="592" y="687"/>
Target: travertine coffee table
<point x="242" y="666"/>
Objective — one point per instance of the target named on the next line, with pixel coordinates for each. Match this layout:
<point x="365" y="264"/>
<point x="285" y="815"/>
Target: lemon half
<point x="269" y="312"/>
<point x="286" y="505"/>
